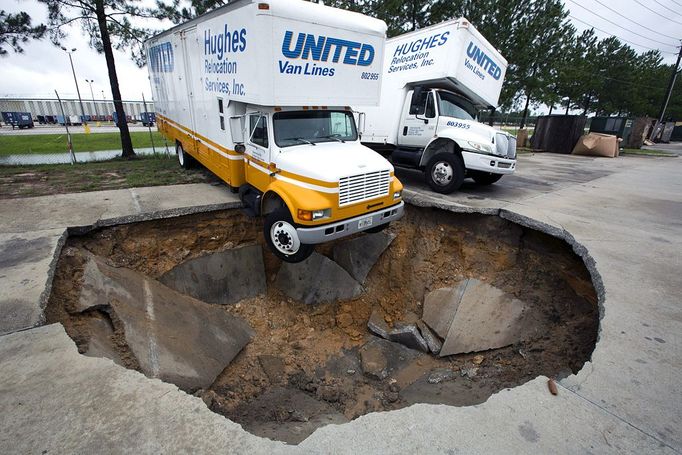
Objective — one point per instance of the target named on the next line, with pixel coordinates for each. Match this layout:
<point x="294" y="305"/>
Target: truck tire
<point x="445" y="173"/>
<point x="280" y="234"/>
<point x="185" y="160"/>
<point x="486" y="178"/>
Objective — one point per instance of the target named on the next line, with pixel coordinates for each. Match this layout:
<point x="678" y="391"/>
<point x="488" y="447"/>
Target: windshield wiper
<point x="305" y="141"/>
<point x="333" y="136"/>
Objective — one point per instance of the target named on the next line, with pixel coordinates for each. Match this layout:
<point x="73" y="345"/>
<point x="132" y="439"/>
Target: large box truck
<point x="435" y="81"/>
<point x="260" y="94"/>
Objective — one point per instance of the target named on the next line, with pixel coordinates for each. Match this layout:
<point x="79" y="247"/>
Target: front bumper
<point x="327" y="232"/>
<point x="488" y="163"/>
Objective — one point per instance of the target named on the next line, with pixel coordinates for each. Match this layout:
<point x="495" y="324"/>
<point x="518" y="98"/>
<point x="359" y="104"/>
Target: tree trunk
<point x="126" y="142"/>
<point x="551" y="108"/>
<point x="525" y="112"/>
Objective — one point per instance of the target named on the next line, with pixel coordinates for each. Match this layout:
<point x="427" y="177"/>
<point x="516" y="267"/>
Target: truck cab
<point x="306" y="171"/>
<point x="439" y="133"/>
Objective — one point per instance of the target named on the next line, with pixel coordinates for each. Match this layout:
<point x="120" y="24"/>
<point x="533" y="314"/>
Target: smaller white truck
<point x="435" y="81"/>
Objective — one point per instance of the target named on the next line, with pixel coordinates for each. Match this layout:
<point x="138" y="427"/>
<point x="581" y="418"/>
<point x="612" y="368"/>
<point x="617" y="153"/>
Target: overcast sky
<point x="42" y="67"/>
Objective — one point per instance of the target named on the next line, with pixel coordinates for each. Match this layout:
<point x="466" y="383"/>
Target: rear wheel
<point x="184" y="159"/>
<point x="486" y="178"/>
<point x="445" y="173"/>
<point x="281" y="236"/>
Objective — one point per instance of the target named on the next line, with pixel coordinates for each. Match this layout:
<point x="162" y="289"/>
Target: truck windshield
<point x="452" y="105"/>
<point x="311" y="127"/>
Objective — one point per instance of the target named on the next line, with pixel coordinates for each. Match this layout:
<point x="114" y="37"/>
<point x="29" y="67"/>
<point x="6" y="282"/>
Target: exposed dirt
<point x="304" y="367"/>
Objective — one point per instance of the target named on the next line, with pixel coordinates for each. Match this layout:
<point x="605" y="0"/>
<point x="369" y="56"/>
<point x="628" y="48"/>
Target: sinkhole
<point x="440" y="308"/>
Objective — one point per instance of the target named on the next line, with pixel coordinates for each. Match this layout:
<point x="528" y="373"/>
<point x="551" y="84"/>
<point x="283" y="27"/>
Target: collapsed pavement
<point x="310" y="324"/>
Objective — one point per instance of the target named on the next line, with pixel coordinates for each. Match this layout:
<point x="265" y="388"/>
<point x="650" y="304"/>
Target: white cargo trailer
<point x="260" y="93"/>
<point x="435" y="82"/>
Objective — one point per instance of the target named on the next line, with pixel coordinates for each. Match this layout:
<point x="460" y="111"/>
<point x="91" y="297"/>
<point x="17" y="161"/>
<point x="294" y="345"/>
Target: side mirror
<point x="237" y="129"/>
<point x="418" y="102"/>
<point x="362" y="117"/>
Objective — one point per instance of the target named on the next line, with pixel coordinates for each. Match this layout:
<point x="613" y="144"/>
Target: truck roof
<point x="298" y="10"/>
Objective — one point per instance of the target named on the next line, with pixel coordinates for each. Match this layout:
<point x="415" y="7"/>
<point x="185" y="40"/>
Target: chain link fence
<point x="55" y="131"/>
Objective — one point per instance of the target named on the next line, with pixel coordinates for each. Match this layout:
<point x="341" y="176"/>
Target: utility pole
<point x="669" y="92"/>
<point x="92" y="94"/>
<point x="85" y="124"/>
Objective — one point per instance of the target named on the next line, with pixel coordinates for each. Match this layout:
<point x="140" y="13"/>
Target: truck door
<point x="257" y="145"/>
<point x="419" y="119"/>
<point x="190" y="49"/>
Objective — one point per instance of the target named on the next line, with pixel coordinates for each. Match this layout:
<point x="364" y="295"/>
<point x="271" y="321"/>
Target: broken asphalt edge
<point x="107" y="222"/>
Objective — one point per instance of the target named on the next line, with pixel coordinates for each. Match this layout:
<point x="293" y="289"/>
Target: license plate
<point x="365" y="222"/>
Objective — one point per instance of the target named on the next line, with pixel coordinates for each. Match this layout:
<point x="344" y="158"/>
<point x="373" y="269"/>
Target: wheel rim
<point x="285" y="238"/>
<point x="181" y="155"/>
<point x="442" y="173"/>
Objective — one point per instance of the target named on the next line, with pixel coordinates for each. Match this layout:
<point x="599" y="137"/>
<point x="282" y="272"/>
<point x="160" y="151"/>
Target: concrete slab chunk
<point x="434" y="344"/>
<point x="101" y="343"/>
<point x="487" y="318"/>
<point x="377" y="325"/>
<point x="224" y="277"/>
<point x="440" y="307"/>
<point x="318" y="279"/>
<point x="358" y="255"/>
<point x="408" y="335"/>
<point x="174" y="337"/>
<point x="381" y="358"/>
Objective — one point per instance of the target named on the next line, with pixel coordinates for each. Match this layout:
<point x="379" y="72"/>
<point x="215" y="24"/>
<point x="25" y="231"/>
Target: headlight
<point x="481" y="147"/>
<point x="397" y="194"/>
<point x="312" y="215"/>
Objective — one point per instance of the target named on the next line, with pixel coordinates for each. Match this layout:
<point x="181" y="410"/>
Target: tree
<point x="108" y="26"/>
<point x="16" y="29"/>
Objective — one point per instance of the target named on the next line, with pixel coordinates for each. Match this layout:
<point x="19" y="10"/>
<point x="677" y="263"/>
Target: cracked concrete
<point x="623" y="217"/>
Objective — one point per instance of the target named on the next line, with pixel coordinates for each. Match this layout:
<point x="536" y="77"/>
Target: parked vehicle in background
<point x="435" y="82"/>
<point x="260" y="94"/>
<point x="19" y="120"/>
<point x="148" y="118"/>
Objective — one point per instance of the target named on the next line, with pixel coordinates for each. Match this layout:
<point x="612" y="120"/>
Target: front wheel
<point x="486" y="178"/>
<point x="282" y="238"/>
<point x="445" y="173"/>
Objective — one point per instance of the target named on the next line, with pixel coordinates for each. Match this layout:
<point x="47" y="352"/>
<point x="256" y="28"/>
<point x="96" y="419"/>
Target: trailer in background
<point x="148" y="118"/>
<point x="19" y="120"/>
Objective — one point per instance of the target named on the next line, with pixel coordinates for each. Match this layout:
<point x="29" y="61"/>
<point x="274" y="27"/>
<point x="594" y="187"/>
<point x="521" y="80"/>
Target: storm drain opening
<point x="440" y="308"/>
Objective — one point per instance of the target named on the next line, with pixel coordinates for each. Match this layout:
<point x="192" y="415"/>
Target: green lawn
<point x="148" y="170"/>
<point x="56" y="143"/>
<point x="644" y="152"/>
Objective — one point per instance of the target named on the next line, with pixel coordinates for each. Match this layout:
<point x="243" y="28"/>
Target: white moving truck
<point x="435" y="81"/>
<point x="260" y="94"/>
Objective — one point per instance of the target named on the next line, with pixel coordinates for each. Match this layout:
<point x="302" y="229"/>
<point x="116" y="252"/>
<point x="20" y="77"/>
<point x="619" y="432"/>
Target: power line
<point x="620" y="26"/>
<point x="622" y="39"/>
<point x="657" y="13"/>
<point x="679" y="4"/>
<point x="634" y="22"/>
<point x="665" y="6"/>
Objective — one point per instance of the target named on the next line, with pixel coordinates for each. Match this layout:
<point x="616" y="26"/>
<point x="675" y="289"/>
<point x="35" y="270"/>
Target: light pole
<point x="90" y="82"/>
<point x="76" y="81"/>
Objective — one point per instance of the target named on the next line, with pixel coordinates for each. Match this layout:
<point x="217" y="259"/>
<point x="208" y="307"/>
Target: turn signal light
<point x="263" y="6"/>
<point x="305" y="215"/>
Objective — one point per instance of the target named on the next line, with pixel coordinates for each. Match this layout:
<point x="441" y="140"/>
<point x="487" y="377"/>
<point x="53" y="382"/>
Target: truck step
<point x="407" y="157"/>
<point x="251" y="199"/>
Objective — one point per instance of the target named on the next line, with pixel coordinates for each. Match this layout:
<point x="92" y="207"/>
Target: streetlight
<point x="85" y="124"/>
<point x="90" y="82"/>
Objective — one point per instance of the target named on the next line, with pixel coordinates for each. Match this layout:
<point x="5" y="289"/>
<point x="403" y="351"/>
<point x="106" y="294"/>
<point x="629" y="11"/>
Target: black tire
<point x="485" y="178"/>
<point x="185" y="160"/>
<point x="282" y="218"/>
<point x="445" y="173"/>
<point x="375" y="229"/>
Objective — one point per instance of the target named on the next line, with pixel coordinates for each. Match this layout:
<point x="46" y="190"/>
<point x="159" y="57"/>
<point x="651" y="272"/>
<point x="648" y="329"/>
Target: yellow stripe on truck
<point x="297" y="191"/>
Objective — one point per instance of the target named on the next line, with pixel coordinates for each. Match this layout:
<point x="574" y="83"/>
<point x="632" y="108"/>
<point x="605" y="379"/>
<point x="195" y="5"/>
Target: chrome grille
<point x="362" y="187"/>
<point x="505" y="145"/>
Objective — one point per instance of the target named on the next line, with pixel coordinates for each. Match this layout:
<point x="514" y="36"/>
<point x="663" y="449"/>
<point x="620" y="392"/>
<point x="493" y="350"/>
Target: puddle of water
<point x="81" y="157"/>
